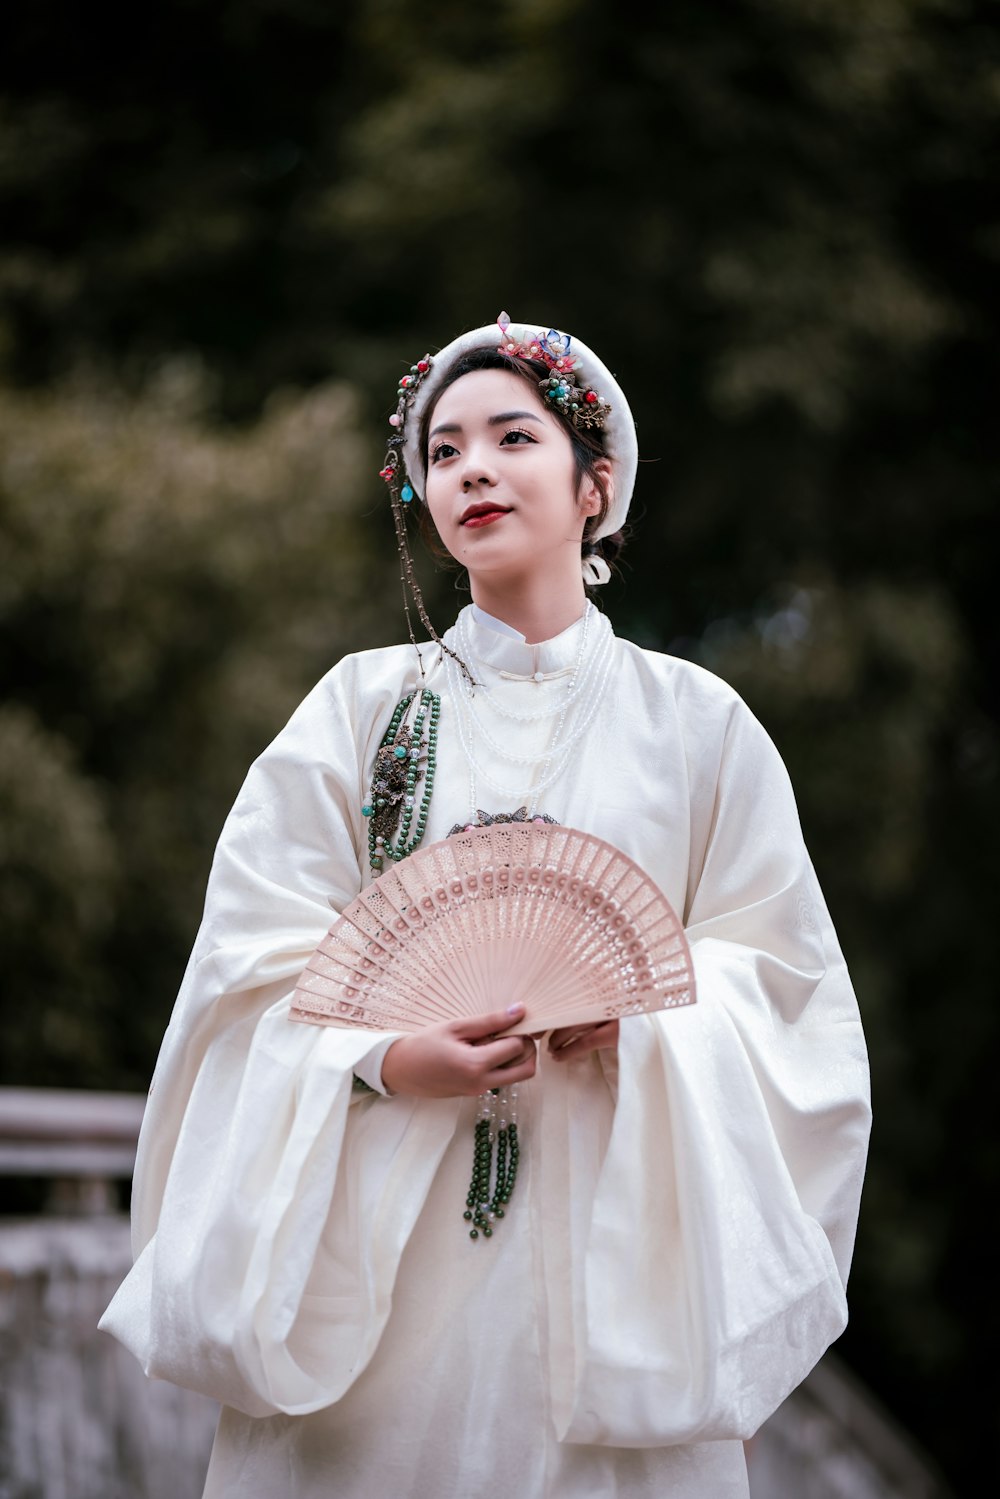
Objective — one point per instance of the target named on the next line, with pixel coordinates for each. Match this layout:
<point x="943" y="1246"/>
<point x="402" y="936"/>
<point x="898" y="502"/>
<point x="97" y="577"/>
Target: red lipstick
<point x="482" y="514"/>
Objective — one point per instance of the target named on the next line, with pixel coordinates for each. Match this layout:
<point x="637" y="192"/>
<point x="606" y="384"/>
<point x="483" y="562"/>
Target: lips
<point x="483" y="511"/>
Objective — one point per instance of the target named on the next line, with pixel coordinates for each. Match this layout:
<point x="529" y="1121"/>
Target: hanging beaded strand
<point x="495" y="1123"/>
<point x="400" y="496"/>
<point x="392" y="800"/>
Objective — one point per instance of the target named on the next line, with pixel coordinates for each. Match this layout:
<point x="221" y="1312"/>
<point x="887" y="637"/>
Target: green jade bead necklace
<point x="393" y="790"/>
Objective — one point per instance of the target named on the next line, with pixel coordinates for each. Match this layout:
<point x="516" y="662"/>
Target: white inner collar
<point x="496" y="644"/>
<point x="492" y="623"/>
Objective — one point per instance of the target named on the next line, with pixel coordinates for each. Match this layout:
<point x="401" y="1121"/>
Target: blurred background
<point x="228" y="226"/>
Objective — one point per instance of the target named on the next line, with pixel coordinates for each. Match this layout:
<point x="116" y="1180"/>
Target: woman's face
<point x="501" y="480"/>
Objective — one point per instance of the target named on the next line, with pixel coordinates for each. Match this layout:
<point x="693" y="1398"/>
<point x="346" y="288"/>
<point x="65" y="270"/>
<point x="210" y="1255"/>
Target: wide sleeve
<point x="712" y="1273"/>
<point x="265" y="1255"/>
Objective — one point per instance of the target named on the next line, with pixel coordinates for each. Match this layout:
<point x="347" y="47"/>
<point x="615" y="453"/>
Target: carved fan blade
<point x="548" y="915"/>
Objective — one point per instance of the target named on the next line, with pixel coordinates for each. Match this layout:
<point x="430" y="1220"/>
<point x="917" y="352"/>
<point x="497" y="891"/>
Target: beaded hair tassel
<point x="400" y="496"/>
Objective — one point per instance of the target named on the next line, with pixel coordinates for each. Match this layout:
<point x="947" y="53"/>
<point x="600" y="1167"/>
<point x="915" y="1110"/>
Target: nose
<point x="478" y="470"/>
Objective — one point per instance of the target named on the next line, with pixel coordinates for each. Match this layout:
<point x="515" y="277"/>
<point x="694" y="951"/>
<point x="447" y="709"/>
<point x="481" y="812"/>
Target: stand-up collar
<point x="510" y="652"/>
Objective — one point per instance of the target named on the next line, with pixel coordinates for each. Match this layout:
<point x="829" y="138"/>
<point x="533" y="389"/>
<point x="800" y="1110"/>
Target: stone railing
<point x="80" y="1143"/>
<point x="79" y="1420"/>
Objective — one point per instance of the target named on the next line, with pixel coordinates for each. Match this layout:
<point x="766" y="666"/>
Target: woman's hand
<point x="576" y="1040"/>
<point x="460" y="1058"/>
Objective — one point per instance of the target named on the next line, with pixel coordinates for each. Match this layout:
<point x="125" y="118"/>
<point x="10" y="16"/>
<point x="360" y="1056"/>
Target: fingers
<point x="564" y="1037"/>
<point x="435" y="1063"/>
<point x="478" y="1027"/>
<point x="577" y="1041"/>
<point x="568" y="1035"/>
<point x="499" y="1063"/>
<point x="505" y="1051"/>
<point x="505" y="1077"/>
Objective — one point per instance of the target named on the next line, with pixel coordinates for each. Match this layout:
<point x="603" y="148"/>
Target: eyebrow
<point x="491" y="421"/>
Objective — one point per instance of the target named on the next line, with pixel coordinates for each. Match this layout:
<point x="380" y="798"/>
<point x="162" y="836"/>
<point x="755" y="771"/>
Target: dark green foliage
<point x="169" y="592"/>
<point x="777" y="222"/>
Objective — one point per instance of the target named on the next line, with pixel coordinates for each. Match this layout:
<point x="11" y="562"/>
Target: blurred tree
<point x="57" y="887"/>
<point x="167" y="595"/>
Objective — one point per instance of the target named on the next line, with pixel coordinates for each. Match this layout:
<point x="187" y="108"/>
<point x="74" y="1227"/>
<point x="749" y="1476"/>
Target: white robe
<point x="674" y="1258"/>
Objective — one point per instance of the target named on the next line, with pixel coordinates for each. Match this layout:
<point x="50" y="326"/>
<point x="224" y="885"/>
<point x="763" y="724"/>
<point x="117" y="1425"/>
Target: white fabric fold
<point x="675" y="1256"/>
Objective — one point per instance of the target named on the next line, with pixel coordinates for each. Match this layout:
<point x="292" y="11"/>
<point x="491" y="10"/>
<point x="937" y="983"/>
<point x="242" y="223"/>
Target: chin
<point x="489" y="554"/>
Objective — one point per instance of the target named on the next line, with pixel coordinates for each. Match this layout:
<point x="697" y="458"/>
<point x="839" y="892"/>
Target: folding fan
<point x="539" y="913"/>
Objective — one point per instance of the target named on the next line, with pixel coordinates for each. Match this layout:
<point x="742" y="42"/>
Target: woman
<point x="673" y="1258"/>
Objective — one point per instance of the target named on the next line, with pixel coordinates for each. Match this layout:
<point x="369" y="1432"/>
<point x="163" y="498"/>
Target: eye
<point x="515" y="437"/>
<point x="443" y="450"/>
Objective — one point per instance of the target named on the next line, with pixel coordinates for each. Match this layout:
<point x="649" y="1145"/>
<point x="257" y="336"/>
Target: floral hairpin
<point x="407" y="390"/>
<point x="578" y="403"/>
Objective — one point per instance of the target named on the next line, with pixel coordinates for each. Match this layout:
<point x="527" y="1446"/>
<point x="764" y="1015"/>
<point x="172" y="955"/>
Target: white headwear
<point x="620" y="443"/>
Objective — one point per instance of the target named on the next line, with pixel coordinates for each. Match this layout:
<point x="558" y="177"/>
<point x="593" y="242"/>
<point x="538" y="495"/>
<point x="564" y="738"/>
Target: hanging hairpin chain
<point x="400" y="496"/>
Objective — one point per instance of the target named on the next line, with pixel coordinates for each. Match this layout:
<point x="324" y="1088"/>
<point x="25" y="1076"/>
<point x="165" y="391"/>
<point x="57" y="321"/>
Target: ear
<point x="590" y="495"/>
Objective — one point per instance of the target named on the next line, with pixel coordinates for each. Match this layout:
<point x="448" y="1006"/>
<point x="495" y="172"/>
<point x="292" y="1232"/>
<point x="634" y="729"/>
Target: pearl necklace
<point x="585" y="686"/>
<point x="502" y="710"/>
